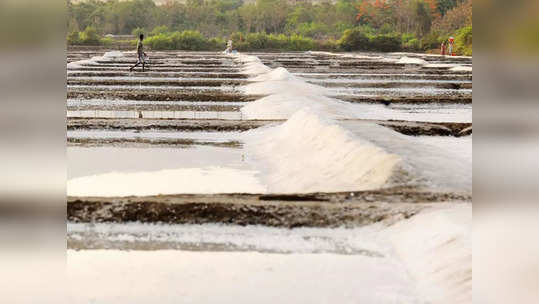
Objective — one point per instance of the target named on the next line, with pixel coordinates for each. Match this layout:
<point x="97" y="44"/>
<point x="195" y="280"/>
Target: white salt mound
<point x="408" y="60"/>
<point x="280" y="81"/>
<point x="436" y="247"/>
<point x="461" y="68"/>
<point x="246" y="58"/>
<point x="251" y="64"/>
<point x="283" y="106"/>
<point x="287" y="95"/>
<point x="113" y="54"/>
<point x="296" y="87"/>
<point x="80" y="63"/>
<point x="255" y="69"/>
<point x="440" y="65"/>
<point x="106" y="57"/>
<point x="308" y="154"/>
<point x="278" y="74"/>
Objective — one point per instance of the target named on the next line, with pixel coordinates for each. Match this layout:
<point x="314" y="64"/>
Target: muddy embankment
<point x="143" y="142"/>
<point x="157" y="95"/>
<point x="293" y="210"/>
<point x="404" y="127"/>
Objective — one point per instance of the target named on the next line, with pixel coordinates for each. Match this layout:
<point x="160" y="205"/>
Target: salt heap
<point x="287" y="94"/>
<point x="308" y="153"/>
<point x="252" y="65"/>
<point x="408" y="60"/>
<point x="108" y="56"/>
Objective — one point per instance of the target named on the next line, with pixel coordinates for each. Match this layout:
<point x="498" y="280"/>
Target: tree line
<point x="383" y="25"/>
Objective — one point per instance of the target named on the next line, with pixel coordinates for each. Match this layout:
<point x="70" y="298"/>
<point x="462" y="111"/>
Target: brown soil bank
<point x="72" y="73"/>
<point x="159" y="95"/>
<point x="387" y="100"/>
<point x="146" y="82"/>
<point x="141" y="142"/>
<point x="295" y="210"/>
<point x="404" y="127"/>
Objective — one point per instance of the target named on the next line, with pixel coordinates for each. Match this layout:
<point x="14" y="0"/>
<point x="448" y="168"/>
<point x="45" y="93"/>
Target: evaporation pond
<point x="110" y="171"/>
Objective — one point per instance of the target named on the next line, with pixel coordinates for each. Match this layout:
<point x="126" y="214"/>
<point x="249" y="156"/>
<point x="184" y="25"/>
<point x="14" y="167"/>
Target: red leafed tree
<point x="372" y="12"/>
<point x="433" y="5"/>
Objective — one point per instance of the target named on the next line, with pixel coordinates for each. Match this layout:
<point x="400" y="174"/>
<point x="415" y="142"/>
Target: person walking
<point x="140" y="53"/>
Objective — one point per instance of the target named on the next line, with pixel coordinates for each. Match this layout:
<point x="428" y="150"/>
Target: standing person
<point x="442" y="48"/>
<point x="228" y="47"/>
<point x="140" y="53"/>
<point x="451" y="41"/>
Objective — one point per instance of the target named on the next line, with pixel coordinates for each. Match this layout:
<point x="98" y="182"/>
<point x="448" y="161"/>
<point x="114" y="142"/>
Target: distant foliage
<point x="186" y="40"/>
<point x="386" y="43"/>
<point x="189" y="40"/>
<point x="195" y="41"/>
<point x="261" y="41"/>
<point x="375" y="25"/>
<point x="73" y="38"/>
<point x="363" y="39"/>
<point x="354" y="40"/>
<point x="160" y="42"/>
<point x="431" y="41"/>
<point x="87" y="37"/>
<point x="136" y="32"/>
<point x="463" y="41"/>
<point x="454" y="19"/>
<point x="163" y="29"/>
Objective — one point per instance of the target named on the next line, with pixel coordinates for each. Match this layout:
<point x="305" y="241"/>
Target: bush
<point x="189" y="40"/>
<point x="136" y="32"/>
<point x="299" y="43"/>
<point x="431" y="41"/>
<point x="326" y="45"/>
<point x="312" y="29"/>
<point x="354" y="39"/>
<point x="463" y="41"/>
<point x="363" y="39"/>
<point x="412" y="45"/>
<point x="277" y="42"/>
<point x="160" y="42"/>
<point x="258" y="41"/>
<point x="186" y="40"/>
<point x="158" y="30"/>
<point x="89" y="36"/>
<point x="385" y="43"/>
<point x="262" y="41"/>
<point x="217" y="44"/>
<point x="107" y="41"/>
<point x="387" y="29"/>
<point x="73" y="38"/>
<point x="407" y="37"/>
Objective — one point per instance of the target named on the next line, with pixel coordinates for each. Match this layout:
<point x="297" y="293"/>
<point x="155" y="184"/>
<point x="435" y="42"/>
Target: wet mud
<point x="350" y="209"/>
<point x="404" y="127"/>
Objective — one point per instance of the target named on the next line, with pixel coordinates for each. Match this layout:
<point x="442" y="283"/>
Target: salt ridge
<point x="108" y="56"/>
<point x="286" y="93"/>
<point x="309" y="153"/>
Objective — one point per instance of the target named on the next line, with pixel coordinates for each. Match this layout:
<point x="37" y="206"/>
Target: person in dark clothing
<point x="443" y="48"/>
<point x="140" y="53"/>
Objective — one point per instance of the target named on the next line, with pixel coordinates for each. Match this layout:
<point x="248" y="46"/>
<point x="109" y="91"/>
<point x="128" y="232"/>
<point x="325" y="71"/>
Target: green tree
<point x="422" y="16"/>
